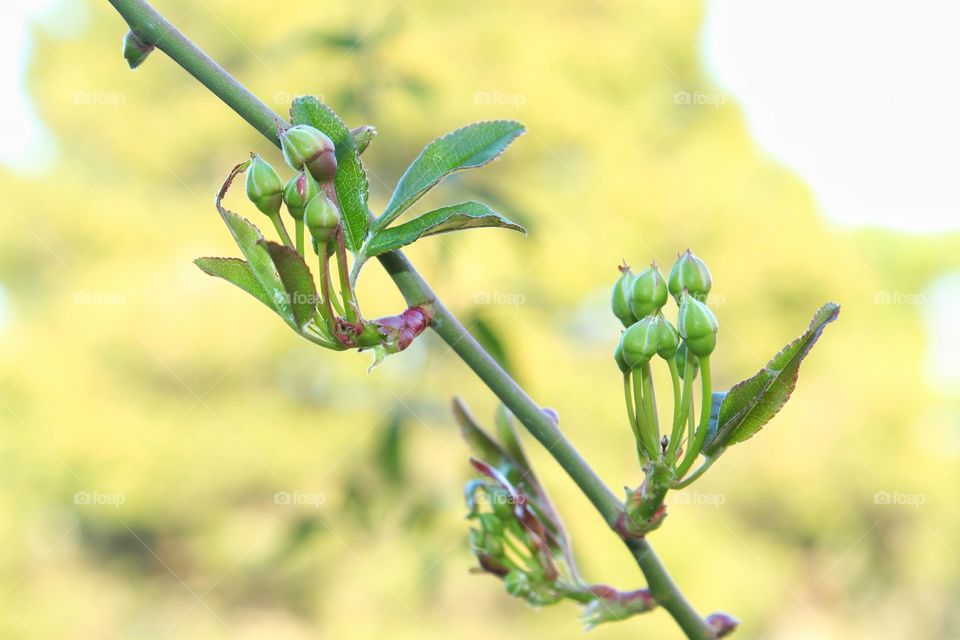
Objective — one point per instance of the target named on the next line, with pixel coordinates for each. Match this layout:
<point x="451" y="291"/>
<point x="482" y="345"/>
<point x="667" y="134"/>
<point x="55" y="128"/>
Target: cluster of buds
<point x="519" y="538"/>
<point x="638" y="301"/>
<point x="310" y="199"/>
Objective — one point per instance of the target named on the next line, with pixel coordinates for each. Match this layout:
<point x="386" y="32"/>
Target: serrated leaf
<point x="351" y="179"/>
<point x="466" y="215"/>
<point x="297" y="281"/>
<point x="248" y="239"/>
<point x="471" y="146"/>
<point x="237" y="272"/>
<point x="750" y="404"/>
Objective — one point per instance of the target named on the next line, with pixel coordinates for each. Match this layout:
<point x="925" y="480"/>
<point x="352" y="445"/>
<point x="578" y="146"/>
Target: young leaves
<point x="466" y="215"/>
<point x="297" y="281"/>
<point x="250" y="241"/>
<point x="237" y="272"/>
<point x="752" y="403"/>
<point x="471" y="146"/>
<point x="351" y="180"/>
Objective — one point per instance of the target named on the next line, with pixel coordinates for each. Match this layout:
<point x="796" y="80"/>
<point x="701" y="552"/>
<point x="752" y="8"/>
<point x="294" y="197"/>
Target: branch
<point x="152" y="29"/>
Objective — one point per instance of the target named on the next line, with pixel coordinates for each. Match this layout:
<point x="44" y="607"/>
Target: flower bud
<point x="618" y="358"/>
<point x="723" y="624"/>
<point x="648" y="293"/>
<point x="301" y="189"/>
<point x="668" y="340"/>
<point x="639" y="342"/>
<point x="698" y="326"/>
<point x="691" y="273"/>
<point x="321" y="217"/>
<point x="305" y="147"/>
<point x="516" y="583"/>
<point x="491" y="524"/>
<point x="263" y="186"/>
<point x="135" y="50"/>
<point x="682" y="358"/>
<point x="363" y="136"/>
<point x="620" y="296"/>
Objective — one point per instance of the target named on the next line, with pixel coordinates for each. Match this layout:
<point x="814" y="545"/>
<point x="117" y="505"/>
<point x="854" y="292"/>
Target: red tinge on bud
<point x="723" y="624"/>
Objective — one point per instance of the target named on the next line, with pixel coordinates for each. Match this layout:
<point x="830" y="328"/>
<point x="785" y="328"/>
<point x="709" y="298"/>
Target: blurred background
<point x="175" y="463"/>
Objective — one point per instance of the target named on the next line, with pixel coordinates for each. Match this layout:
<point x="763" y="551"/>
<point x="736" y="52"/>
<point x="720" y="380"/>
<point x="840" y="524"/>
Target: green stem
<point x="686" y="410"/>
<point x="281" y="230"/>
<point x="323" y="263"/>
<point x="677" y="426"/>
<point x="694" y="447"/>
<point x="153" y="29"/>
<point x="346" y="291"/>
<point x="690" y="479"/>
<point x="298" y="230"/>
<point x="632" y="416"/>
<point x="650" y="408"/>
<point x="641" y="409"/>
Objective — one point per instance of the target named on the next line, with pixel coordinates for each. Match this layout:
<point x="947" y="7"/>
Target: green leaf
<point x="472" y="146"/>
<point x="507" y="433"/>
<point x="466" y="215"/>
<point x="297" y="281"/>
<point x="752" y="403"/>
<point x="238" y="272"/>
<point x="248" y="238"/>
<point x="351" y="179"/>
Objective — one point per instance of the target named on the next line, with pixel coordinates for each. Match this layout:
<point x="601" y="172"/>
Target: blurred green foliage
<point x="174" y="463"/>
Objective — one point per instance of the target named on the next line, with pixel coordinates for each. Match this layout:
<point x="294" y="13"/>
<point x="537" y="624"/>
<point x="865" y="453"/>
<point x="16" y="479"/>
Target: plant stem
<point x="677" y="427"/>
<point x="632" y="417"/>
<point x="298" y="230"/>
<point x="642" y="416"/>
<point x="281" y="230"/>
<point x="650" y="408"/>
<point x="154" y="30"/>
<point x="694" y="446"/>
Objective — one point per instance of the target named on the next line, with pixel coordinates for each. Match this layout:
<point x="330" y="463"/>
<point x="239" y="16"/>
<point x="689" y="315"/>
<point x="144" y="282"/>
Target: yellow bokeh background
<point x="151" y="414"/>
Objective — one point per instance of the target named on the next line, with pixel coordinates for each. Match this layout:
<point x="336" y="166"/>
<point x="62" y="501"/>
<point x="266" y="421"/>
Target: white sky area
<point x="859" y="97"/>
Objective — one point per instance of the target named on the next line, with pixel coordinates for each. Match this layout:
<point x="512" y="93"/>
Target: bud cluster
<point x="310" y="198"/>
<point x="638" y="301"/>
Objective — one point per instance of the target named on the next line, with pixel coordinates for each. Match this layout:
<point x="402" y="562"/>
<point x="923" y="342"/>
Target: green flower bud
<point x="639" y="343"/>
<point x="321" y="217"/>
<point x="305" y="147"/>
<point x="301" y="189"/>
<point x="135" y="50"/>
<point x="263" y="186"/>
<point x="648" y="293"/>
<point x="668" y="339"/>
<point x="620" y="296"/>
<point x="363" y="136"/>
<point x="683" y="357"/>
<point x="691" y="273"/>
<point x="491" y="524"/>
<point x="698" y="326"/>
<point x="618" y="357"/>
<point x="516" y="583"/>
